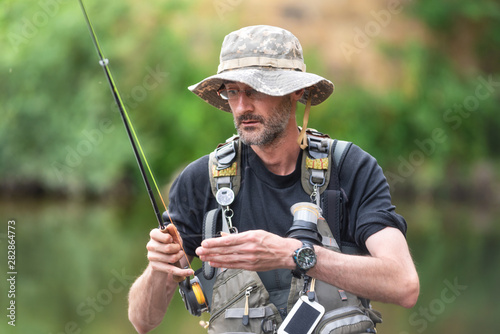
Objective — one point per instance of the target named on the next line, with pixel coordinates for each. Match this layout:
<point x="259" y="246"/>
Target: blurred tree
<point x="61" y="132"/>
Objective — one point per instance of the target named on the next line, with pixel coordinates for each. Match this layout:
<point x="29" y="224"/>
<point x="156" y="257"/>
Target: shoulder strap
<point x="336" y="212"/>
<point x="316" y="162"/>
<point x="209" y="230"/>
<point x="224" y="167"/>
<point x="338" y="151"/>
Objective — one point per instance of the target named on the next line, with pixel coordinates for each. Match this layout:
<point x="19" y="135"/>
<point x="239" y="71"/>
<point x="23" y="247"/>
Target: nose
<point x="242" y="104"/>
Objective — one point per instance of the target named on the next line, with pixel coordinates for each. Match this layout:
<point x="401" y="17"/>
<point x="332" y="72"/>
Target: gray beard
<point x="274" y="126"/>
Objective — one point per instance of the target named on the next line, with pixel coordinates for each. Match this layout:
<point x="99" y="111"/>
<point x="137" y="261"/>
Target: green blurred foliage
<point x="61" y="129"/>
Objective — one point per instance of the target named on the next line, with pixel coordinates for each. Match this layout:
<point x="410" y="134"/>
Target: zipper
<point x="246" y="312"/>
<point x="233" y="301"/>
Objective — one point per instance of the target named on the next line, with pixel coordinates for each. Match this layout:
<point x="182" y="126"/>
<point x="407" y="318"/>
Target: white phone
<point x="303" y="317"/>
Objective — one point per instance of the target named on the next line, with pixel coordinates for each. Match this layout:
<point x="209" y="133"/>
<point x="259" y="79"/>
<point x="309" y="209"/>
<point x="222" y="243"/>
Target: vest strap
<point x="254" y="312"/>
<point x="209" y="230"/>
<point x="316" y="162"/>
<point x="224" y="166"/>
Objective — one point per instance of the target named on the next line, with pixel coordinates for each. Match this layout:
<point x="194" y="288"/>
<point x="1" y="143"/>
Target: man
<point x="261" y="78"/>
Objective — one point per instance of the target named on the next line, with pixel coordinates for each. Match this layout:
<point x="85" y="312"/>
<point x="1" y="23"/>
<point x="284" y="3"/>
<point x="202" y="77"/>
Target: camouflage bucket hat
<point x="268" y="59"/>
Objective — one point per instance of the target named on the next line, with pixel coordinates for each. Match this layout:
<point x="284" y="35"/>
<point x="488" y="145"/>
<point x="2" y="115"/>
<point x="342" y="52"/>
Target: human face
<point x="259" y="121"/>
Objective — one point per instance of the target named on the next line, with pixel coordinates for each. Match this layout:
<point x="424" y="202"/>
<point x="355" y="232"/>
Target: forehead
<point x="236" y="84"/>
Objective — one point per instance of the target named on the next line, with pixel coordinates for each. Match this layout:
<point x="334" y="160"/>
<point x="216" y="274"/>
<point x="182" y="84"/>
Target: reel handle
<point x="172" y="230"/>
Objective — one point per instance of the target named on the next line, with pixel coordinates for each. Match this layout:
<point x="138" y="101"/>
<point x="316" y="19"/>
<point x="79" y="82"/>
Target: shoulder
<point x="195" y="175"/>
<point x="369" y="195"/>
<point x="354" y="160"/>
<point x="197" y="166"/>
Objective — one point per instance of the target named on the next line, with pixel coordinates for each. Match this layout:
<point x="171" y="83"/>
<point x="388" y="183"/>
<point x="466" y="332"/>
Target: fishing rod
<point x="134" y="141"/>
<point x="191" y="290"/>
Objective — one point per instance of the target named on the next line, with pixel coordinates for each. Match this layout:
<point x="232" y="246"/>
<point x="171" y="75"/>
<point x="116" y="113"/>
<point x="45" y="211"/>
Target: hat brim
<point x="271" y="82"/>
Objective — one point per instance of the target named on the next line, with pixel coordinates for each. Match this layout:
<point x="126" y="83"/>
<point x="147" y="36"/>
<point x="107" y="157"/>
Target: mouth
<point x="249" y="122"/>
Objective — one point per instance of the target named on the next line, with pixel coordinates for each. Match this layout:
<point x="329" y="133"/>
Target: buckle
<point x="321" y="178"/>
<point x="318" y="147"/>
<point x="268" y="325"/>
<point x="225" y="155"/>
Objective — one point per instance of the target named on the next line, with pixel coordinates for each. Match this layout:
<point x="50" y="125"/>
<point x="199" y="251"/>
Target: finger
<point x="169" y="258"/>
<point x="171" y="269"/>
<point x="155" y="246"/>
<point x="231" y="258"/>
<point x="225" y="240"/>
<point x="172" y="230"/>
<point x="157" y="235"/>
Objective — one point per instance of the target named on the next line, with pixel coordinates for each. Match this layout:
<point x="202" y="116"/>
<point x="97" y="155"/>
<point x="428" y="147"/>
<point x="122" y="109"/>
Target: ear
<point x="297" y="94"/>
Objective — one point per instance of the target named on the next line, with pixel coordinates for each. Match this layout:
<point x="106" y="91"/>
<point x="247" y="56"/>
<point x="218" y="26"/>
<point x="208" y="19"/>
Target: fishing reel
<point x="190" y="288"/>
<point x="305" y="223"/>
<point x="192" y="294"/>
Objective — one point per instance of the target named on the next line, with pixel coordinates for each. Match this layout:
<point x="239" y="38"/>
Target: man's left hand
<point x="256" y="250"/>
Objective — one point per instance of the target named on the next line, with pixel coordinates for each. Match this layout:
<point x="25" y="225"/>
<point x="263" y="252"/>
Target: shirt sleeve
<point x="368" y="198"/>
<point x="189" y="198"/>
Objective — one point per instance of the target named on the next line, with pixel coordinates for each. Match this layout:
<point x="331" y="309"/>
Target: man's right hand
<point x="165" y="253"/>
<point x="152" y="292"/>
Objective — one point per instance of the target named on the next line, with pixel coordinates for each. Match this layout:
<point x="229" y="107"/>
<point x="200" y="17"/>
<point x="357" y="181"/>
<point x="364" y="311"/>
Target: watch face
<point x="306" y="258"/>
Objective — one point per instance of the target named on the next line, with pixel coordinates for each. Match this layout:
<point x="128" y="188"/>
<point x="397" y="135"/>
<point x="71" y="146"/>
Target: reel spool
<point x="193" y="296"/>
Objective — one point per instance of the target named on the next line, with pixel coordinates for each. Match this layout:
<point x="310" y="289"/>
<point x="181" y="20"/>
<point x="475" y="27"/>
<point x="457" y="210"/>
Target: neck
<point x="280" y="156"/>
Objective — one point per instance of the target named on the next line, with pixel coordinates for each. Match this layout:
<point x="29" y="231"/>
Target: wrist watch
<point x="304" y="258"/>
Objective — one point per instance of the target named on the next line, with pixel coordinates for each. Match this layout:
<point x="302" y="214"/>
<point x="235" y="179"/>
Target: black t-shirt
<point x="264" y="199"/>
<point x="264" y="202"/>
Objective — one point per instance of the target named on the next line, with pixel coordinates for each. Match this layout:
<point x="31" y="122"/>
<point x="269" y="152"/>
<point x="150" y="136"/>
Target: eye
<point x="232" y="93"/>
<point x="251" y="92"/>
<point x="255" y="94"/>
